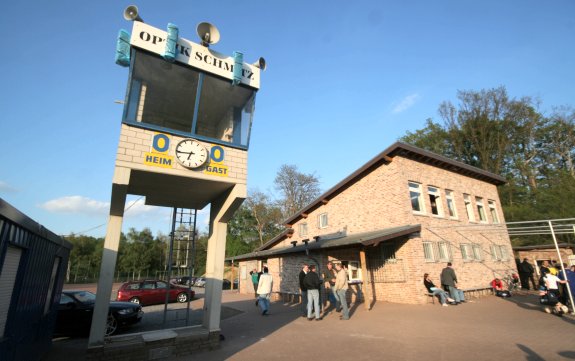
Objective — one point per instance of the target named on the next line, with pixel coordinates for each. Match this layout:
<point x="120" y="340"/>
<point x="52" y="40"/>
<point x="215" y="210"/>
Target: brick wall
<point x="381" y="200"/>
<point x="136" y="142"/>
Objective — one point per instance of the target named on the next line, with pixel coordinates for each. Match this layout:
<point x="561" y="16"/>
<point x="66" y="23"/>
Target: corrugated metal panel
<point x="7" y="280"/>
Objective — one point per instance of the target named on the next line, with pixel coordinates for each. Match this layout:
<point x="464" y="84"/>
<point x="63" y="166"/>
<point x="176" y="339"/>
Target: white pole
<point x="562" y="267"/>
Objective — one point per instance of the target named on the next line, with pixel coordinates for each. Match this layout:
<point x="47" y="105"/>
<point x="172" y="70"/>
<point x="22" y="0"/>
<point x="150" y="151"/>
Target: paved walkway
<point x="488" y="328"/>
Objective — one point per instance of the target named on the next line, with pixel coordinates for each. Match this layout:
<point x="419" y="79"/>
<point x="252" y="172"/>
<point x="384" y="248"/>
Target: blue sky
<point x="344" y="81"/>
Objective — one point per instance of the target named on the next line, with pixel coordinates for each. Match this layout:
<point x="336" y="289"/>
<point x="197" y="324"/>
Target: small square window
<point x="303" y="229"/>
<point x="322" y="220"/>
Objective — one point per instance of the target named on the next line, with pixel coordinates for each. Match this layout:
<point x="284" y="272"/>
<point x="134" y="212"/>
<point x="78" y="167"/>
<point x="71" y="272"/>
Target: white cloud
<point x="406" y="103"/>
<point x="76" y="204"/>
<point x="5" y="187"/>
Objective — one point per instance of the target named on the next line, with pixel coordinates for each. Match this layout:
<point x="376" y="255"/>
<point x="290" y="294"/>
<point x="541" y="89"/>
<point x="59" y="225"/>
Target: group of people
<point x="335" y="283"/>
<point x="449" y="293"/>
<point x="553" y="287"/>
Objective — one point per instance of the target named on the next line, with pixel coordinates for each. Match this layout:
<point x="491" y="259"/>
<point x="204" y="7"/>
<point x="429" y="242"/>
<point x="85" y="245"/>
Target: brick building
<point x="405" y="212"/>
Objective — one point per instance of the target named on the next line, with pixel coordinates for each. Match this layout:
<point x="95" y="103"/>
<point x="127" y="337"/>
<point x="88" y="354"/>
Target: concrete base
<point x="156" y="345"/>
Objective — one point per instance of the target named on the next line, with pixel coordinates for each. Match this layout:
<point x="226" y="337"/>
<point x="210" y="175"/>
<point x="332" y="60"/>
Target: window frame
<point x="466" y="252"/>
<point x="446" y="249"/>
<point x="303" y="229"/>
<point x="420" y="200"/>
<point x="477" y="252"/>
<point x="357" y="268"/>
<point x="468" y="207"/>
<point x="433" y="191"/>
<point x="480" y="209"/>
<point x="428" y="251"/>
<point x="320" y="224"/>
<point x="493" y="211"/>
<point x="450" y="199"/>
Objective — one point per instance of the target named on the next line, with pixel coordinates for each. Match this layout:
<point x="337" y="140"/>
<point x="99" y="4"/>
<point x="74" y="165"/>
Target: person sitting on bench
<point x="443" y="296"/>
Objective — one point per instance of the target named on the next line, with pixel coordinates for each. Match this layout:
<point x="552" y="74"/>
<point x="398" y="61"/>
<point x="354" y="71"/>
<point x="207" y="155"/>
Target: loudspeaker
<point x="261" y="63"/>
<point x="131" y="14"/>
<point x="208" y="33"/>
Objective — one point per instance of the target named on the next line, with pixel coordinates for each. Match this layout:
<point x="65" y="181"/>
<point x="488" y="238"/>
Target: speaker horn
<point x="131" y="14"/>
<point x="208" y="33"/>
<point x="261" y="63"/>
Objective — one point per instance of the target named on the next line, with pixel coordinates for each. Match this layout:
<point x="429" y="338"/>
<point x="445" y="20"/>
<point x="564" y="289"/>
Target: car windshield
<point x="85" y="297"/>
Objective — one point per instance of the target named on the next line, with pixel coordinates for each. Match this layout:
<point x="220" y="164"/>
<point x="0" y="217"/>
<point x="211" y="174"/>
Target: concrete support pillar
<point x="109" y="256"/>
<point x="222" y="210"/>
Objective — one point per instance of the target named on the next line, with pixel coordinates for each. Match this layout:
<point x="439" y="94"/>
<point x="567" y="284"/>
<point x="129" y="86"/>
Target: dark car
<point x="226" y="284"/>
<point x="77" y="307"/>
<point x="185" y="280"/>
<point x="149" y="292"/>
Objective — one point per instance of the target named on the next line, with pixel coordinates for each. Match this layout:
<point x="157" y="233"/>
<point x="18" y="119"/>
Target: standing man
<point x="328" y="277"/>
<point x="303" y="290"/>
<point x="341" y="290"/>
<point x="312" y="283"/>
<point x="449" y="279"/>
<point x="526" y="271"/>
<point x="265" y="286"/>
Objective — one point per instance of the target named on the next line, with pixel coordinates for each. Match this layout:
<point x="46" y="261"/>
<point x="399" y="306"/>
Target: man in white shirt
<point x="265" y="286"/>
<point x="341" y="290"/>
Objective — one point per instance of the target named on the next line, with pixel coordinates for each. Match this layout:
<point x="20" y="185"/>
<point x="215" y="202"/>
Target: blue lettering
<point x="217" y="153"/>
<point x="161" y="143"/>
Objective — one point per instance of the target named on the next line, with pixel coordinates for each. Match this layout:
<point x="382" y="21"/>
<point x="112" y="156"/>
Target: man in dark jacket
<point x="526" y="271"/>
<point x="312" y="283"/>
<point x="449" y="280"/>
<point x="303" y="290"/>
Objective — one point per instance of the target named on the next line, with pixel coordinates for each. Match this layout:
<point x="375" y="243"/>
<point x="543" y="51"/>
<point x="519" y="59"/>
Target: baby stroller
<point x="551" y="302"/>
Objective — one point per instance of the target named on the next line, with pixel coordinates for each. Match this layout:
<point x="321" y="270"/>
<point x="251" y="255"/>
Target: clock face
<point x="191" y="153"/>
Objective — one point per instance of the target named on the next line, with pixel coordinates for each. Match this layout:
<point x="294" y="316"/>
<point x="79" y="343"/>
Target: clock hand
<point x="189" y="156"/>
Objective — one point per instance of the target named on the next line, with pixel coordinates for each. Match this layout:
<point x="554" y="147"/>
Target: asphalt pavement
<point x="487" y="328"/>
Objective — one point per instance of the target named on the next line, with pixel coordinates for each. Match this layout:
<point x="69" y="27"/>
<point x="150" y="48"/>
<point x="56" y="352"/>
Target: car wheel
<point x="182" y="297"/>
<point x="135" y="300"/>
<point x="111" y="325"/>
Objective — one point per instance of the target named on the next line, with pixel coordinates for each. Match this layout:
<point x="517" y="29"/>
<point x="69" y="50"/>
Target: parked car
<point x="200" y="282"/>
<point x="77" y="307"/>
<point x="185" y="280"/>
<point x="149" y="292"/>
<point x="226" y="285"/>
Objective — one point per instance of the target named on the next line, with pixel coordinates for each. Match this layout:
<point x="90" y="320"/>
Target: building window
<point x="477" y="252"/>
<point x="163" y="96"/>
<point x="353" y="270"/>
<point x="444" y="251"/>
<point x="493" y="211"/>
<point x="428" y="251"/>
<point x="322" y="220"/>
<point x="434" y="201"/>
<point x="416" y="197"/>
<point x="468" y="207"/>
<point x="499" y="253"/>
<point x="466" y="252"/>
<point x="450" y="204"/>
<point x="51" y="288"/>
<point x="480" y="209"/>
<point x="303" y="229"/>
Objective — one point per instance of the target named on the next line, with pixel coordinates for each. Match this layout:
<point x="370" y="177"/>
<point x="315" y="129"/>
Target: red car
<point x="149" y="292"/>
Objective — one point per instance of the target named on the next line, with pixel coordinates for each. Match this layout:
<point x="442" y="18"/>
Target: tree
<point x="267" y="216"/>
<point x="297" y="189"/>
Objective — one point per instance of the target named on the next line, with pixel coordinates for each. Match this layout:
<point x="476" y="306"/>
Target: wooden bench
<point x="477" y="292"/>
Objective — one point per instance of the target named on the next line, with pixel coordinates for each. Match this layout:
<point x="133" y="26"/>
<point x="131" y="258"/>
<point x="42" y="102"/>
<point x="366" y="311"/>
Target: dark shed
<point x="32" y="268"/>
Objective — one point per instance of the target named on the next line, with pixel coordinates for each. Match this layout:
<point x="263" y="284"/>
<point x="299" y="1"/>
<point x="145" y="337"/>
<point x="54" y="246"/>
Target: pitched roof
<point x="372" y="238"/>
<point x="404" y="150"/>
